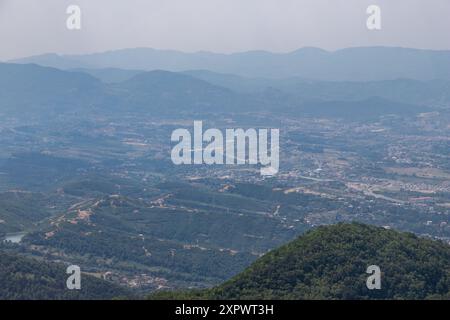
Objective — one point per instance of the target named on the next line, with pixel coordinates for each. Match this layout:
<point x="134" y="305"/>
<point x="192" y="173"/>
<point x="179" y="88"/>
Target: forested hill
<point x="330" y="262"/>
<point x="29" y="279"/>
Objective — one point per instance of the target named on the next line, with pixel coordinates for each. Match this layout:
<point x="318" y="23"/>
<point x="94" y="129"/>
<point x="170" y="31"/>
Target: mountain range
<point x="351" y="64"/>
<point x="29" y="89"/>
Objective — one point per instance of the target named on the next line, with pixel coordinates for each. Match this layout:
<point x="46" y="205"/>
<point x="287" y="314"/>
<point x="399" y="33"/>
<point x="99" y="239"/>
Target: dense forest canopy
<point x="330" y="262"/>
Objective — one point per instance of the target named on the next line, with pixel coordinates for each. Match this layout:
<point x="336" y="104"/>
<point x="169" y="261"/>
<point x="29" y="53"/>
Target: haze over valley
<point x="86" y="176"/>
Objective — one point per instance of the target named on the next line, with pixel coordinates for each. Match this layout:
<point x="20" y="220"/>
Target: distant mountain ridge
<point x="351" y="64"/>
<point x="45" y="91"/>
<point x="37" y="88"/>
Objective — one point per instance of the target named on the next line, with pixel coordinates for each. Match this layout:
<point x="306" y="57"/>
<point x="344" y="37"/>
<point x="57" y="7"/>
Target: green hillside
<point x="331" y="262"/>
<point x="29" y="279"/>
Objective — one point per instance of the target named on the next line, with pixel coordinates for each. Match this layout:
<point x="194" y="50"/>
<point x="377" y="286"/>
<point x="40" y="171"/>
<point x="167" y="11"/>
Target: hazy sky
<point x="29" y="27"/>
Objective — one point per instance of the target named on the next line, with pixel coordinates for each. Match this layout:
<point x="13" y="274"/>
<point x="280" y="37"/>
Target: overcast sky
<point x="29" y="27"/>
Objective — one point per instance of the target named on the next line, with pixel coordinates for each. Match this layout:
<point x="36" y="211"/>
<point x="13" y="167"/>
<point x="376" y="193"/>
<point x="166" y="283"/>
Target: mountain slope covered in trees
<point x="331" y="263"/>
<point x="29" y="279"/>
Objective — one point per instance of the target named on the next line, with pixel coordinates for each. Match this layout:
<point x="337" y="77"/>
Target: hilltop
<point x="330" y="262"/>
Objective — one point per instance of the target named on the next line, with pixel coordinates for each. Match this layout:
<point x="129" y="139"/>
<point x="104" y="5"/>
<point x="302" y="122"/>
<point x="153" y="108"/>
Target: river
<point x="14" y="237"/>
